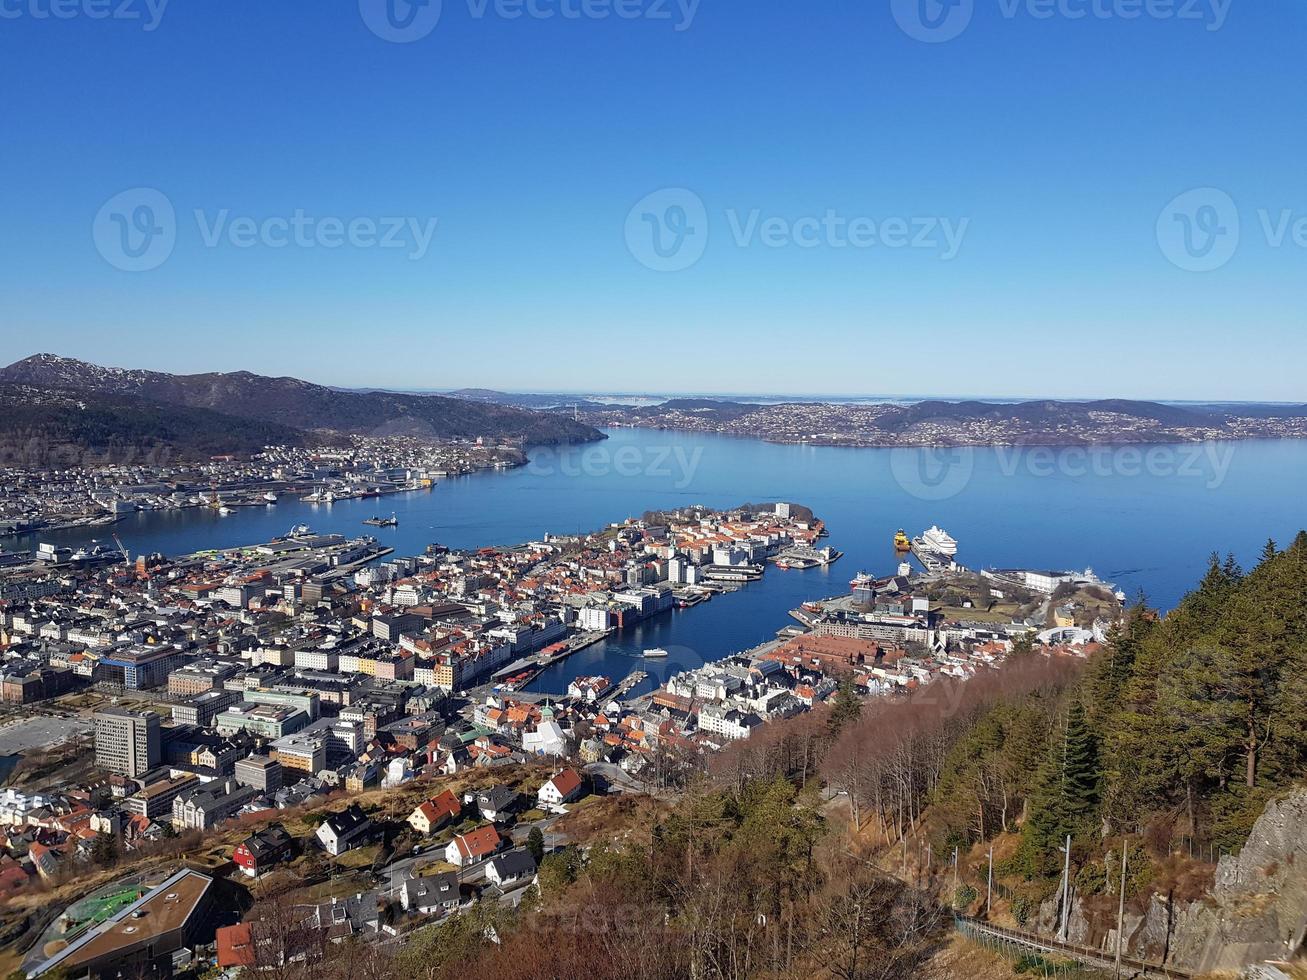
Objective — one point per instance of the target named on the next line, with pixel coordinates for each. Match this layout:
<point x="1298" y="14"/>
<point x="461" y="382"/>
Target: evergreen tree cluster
<point x="1189" y="723"/>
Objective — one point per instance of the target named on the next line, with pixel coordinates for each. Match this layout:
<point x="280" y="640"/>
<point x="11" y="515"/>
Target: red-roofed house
<point x="474" y="846"/>
<point x="235" y="946"/>
<point x="435" y="812"/>
<point x="562" y="787"/>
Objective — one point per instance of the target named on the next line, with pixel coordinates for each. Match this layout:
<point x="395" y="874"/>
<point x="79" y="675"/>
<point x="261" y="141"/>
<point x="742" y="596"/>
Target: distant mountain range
<point x="80" y="404"/>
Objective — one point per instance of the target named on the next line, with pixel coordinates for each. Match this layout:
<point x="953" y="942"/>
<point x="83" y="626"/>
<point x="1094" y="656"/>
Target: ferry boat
<point x="901" y="541"/>
<point x="655" y="653"/>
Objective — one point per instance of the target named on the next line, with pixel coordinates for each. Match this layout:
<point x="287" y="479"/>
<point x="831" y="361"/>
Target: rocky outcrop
<point x="1257" y="909"/>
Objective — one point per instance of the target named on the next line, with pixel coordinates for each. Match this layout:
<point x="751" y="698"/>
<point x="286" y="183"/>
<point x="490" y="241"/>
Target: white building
<point x="342" y="831"/>
<point x="594" y="618"/>
<point x="563" y="787"/>
<point x="316" y="660"/>
<point x="431" y="896"/>
<point x="729" y="722"/>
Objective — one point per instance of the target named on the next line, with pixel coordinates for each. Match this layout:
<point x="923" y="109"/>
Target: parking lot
<point x="39" y="733"/>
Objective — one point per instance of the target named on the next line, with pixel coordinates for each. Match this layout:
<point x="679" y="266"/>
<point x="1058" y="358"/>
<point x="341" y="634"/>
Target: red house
<point x="260" y="852"/>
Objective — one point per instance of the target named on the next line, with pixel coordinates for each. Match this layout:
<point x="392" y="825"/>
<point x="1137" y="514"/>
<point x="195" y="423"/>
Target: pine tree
<point x="1080" y="770"/>
<point x="535" y="844"/>
<point x="847" y="707"/>
<point x="1065" y="800"/>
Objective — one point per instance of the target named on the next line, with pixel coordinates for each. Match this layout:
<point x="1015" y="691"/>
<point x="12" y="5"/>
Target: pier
<point x="632" y="681"/>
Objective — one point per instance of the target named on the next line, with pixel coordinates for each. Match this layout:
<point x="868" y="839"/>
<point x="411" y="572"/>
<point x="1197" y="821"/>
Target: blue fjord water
<point x="1143" y="517"/>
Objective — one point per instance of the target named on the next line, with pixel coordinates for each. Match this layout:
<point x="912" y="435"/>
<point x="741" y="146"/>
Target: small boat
<point x="655" y="653"/>
<point x="270" y="497"/>
<point x="224" y="510"/>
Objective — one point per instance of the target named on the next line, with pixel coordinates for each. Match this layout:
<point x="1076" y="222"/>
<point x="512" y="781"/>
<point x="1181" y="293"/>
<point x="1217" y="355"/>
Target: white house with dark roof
<point x="344" y="831"/>
<point x="435" y="895"/>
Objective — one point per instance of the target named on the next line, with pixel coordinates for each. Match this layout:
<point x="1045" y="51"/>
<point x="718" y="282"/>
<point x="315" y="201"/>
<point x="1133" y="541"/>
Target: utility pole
<point x="989" y="884"/>
<point x="1120" y="909"/>
<point x="1066" y="892"/>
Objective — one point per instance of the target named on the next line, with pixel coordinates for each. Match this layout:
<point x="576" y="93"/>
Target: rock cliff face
<point x="1256" y="909"/>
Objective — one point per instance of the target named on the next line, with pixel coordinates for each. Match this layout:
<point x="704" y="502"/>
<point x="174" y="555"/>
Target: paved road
<point x="402" y="869"/>
<point x="616" y="776"/>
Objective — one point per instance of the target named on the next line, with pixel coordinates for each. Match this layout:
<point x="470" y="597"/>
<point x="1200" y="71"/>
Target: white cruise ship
<point x="939" y="541"/>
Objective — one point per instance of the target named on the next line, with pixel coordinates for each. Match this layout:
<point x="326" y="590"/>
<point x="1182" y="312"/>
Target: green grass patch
<point x="360" y="857"/>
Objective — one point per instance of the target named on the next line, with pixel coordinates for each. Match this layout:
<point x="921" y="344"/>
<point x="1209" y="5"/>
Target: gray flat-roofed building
<point x="126" y="742"/>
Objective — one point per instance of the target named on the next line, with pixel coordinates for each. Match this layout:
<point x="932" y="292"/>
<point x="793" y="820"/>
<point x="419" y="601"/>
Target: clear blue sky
<point x="1060" y="140"/>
